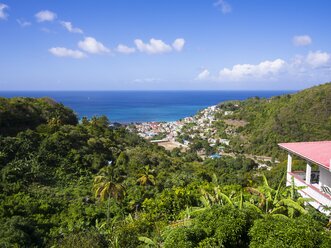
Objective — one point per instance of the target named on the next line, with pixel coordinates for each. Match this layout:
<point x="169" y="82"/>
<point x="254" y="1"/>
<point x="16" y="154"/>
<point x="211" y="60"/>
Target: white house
<point x="225" y="141"/>
<point x="318" y="183"/>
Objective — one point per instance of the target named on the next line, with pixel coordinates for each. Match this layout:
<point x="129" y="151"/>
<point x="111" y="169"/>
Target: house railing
<point x="321" y="199"/>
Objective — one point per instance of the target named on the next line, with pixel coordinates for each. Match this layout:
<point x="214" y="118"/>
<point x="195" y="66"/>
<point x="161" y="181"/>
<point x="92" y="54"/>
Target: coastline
<point x="127" y="107"/>
<point x="172" y="131"/>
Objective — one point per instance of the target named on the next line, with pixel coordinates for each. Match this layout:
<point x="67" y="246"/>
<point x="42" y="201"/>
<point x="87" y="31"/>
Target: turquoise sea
<point x="139" y="106"/>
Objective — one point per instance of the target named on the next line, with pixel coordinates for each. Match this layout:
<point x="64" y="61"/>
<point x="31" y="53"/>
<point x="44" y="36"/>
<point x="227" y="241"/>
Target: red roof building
<point x="317" y="183"/>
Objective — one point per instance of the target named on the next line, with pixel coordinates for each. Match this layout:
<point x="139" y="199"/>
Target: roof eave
<point x="281" y="145"/>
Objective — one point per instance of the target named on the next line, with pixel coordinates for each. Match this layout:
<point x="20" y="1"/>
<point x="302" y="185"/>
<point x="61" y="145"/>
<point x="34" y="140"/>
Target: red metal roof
<point x="318" y="152"/>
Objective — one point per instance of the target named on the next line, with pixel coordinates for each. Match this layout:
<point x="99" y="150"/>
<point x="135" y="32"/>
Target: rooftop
<point x="318" y="152"/>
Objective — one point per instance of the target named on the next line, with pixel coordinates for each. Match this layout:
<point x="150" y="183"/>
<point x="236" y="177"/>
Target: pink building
<point x="317" y="182"/>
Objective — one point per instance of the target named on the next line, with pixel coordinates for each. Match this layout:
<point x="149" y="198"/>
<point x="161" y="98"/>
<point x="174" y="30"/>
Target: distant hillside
<point x="18" y="114"/>
<point x="303" y="116"/>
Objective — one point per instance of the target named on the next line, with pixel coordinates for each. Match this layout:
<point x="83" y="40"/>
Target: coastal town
<point x="181" y="133"/>
<point x="213" y="126"/>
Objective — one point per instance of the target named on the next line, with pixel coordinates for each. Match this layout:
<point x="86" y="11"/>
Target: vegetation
<point x="18" y="114"/>
<point x="65" y="184"/>
<point x="303" y="116"/>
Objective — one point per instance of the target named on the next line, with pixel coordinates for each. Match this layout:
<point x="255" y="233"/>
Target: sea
<point x="141" y="106"/>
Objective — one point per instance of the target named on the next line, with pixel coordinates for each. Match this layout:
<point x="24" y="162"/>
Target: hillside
<point x="303" y="116"/>
<point x="92" y="185"/>
<point x="18" y="114"/>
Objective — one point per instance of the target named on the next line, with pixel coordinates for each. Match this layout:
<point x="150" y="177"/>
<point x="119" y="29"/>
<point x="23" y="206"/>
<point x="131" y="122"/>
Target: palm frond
<point x="147" y="241"/>
<point x="205" y="202"/>
<point x="223" y="196"/>
<point x="280" y="216"/>
<point x="278" y="188"/>
<point x="278" y="210"/>
<point x="291" y="204"/>
<point x="252" y="206"/>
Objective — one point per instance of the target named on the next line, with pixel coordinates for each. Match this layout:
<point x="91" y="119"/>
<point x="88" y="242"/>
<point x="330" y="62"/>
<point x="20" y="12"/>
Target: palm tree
<point x="146" y="177"/>
<point x="105" y="187"/>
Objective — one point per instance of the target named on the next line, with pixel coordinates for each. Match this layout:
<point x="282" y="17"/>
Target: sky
<point x="164" y="44"/>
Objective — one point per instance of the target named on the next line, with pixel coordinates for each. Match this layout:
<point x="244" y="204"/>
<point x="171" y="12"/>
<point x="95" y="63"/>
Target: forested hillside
<point x="18" y="114"/>
<point x="303" y="116"/>
<point x="65" y="184"/>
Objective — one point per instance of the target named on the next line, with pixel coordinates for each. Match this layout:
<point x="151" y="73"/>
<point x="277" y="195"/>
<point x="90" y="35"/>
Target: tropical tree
<point x="105" y="187"/>
<point x="208" y="200"/>
<point x="146" y="177"/>
<point x="55" y="121"/>
<point x="215" y="198"/>
<point x="283" y="200"/>
<point x="304" y="231"/>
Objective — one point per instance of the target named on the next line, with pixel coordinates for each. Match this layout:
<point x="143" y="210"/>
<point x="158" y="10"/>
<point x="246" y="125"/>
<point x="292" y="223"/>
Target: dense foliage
<point x="65" y="184"/>
<point x="18" y="114"/>
<point x="303" y="116"/>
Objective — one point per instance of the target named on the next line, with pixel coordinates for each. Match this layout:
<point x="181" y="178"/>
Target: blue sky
<point x="164" y="44"/>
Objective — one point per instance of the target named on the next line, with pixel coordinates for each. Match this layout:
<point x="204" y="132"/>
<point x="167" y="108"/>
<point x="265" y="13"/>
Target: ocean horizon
<point x="142" y="106"/>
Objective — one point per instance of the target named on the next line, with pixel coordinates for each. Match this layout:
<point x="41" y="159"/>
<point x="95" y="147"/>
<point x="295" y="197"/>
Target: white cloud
<point x="203" y="75"/>
<point x="314" y="66"/>
<point x="23" y="23"/>
<point x="302" y="40"/>
<point x="64" y="52"/>
<point x="224" y="6"/>
<point x="68" y="26"/>
<point x="91" y="45"/>
<point x="3" y="14"/>
<point x="318" y="58"/>
<point x="244" y="71"/>
<point x="45" y="16"/>
<point x="178" y="44"/>
<point x="125" y="49"/>
<point x="153" y="47"/>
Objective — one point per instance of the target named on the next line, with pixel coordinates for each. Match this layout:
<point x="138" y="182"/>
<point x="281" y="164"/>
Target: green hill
<point x="303" y="116"/>
<point x="18" y="114"/>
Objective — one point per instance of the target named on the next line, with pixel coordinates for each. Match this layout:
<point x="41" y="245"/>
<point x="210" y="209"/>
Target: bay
<point x="141" y="106"/>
